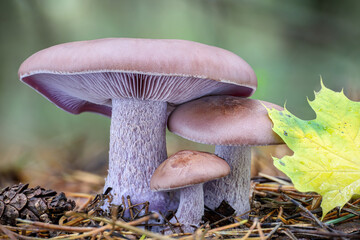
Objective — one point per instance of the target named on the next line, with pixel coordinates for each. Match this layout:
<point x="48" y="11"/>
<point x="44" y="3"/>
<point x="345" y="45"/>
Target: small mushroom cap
<point x="186" y="168"/>
<point x="86" y="75"/>
<point x="225" y="120"/>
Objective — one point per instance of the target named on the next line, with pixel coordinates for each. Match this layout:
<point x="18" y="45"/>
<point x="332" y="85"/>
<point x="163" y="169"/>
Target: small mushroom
<point x="187" y="171"/>
<point x="233" y="124"/>
<point x="133" y="80"/>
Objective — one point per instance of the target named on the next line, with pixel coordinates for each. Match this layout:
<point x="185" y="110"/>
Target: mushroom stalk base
<point x="235" y="187"/>
<point x="191" y="207"/>
<point x="137" y="147"/>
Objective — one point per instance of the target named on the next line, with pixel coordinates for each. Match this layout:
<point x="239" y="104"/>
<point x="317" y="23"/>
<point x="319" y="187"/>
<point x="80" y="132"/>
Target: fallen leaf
<point x="326" y="155"/>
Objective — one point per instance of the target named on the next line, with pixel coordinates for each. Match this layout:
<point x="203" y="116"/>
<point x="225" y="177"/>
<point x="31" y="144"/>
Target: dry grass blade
<point x="275" y="179"/>
<point x="13" y="235"/>
<point x="261" y="233"/>
<point x="268" y="215"/>
<point x="273" y="231"/>
<point x="215" y="230"/>
<point x="274" y="188"/>
<point x="117" y="222"/>
<point x="8" y="232"/>
<point x="228" y="226"/>
<point x="289" y="234"/>
<point x="140" y="231"/>
<point x="250" y="230"/>
<point x="92" y="233"/>
<point x="55" y="226"/>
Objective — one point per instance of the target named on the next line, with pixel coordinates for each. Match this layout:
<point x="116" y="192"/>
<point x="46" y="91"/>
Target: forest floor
<point x="278" y="211"/>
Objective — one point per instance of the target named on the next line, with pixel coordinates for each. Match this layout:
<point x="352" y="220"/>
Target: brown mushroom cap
<point x="84" y="76"/>
<point x="224" y="120"/>
<point x="186" y="168"/>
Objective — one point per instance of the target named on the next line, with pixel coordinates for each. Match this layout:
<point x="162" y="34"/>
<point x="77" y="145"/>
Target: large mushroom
<point x="187" y="171"/>
<point x="132" y="80"/>
<point x="233" y="124"/>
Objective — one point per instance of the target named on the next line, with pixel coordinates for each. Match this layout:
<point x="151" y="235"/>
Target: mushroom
<point x="187" y="171"/>
<point x="132" y="80"/>
<point x="233" y="124"/>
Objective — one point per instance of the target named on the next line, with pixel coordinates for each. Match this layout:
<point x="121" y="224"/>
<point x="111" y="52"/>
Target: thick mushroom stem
<point x="191" y="207"/>
<point x="137" y="147"/>
<point x="233" y="188"/>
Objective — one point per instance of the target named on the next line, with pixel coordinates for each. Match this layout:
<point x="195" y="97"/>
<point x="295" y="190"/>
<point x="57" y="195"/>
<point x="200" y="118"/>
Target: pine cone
<point x="36" y="204"/>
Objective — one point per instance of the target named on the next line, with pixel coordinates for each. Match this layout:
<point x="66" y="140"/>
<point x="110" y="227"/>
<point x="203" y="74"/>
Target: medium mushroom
<point x="187" y="171"/>
<point x="132" y="80"/>
<point x="233" y="124"/>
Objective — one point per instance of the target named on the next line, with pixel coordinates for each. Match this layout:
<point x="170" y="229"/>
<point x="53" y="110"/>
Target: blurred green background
<point x="289" y="43"/>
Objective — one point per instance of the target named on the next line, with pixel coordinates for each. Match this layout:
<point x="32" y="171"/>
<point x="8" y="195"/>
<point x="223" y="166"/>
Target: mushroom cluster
<point x="137" y="82"/>
<point x="133" y="81"/>
<point x="233" y="124"/>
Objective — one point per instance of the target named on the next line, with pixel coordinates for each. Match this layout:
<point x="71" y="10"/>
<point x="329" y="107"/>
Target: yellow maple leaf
<point x="326" y="155"/>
